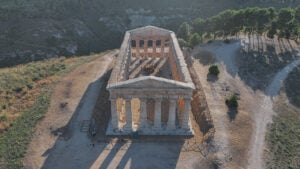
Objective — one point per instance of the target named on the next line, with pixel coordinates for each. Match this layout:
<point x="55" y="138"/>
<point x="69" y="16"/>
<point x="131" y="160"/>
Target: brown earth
<point x="65" y="100"/>
<point x="251" y="67"/>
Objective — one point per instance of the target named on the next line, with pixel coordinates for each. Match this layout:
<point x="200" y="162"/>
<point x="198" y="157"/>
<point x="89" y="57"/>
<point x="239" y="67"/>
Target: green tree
<point x="285" y="22"/>
<point x="297" y="15"/>
<point x="184" y="31"/>
<point x="195" y="39"/>
<point x="199" y="26"/>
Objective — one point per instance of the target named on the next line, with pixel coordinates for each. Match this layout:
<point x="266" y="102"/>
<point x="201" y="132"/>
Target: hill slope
<point x="34" y="30"/>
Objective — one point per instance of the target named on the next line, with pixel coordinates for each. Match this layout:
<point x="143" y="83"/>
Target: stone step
<point x="85" y="125"/>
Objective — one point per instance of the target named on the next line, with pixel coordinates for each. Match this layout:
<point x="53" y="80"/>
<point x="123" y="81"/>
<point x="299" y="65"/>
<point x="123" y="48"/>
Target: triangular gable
<point x="150" y="30"/>
<point x="150" y="82"/>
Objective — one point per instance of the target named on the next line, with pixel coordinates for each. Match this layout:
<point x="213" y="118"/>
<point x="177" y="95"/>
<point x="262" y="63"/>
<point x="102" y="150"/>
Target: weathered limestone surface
<point x="150" y="42"/>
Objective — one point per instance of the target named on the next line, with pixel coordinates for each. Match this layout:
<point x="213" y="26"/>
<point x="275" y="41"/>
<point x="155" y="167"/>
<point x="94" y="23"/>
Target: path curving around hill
<point x="264" y="116"/>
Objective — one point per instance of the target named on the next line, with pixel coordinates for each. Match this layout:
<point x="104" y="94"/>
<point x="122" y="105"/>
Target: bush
<point x="182" y="43"/>
<point x="232" y="102"/>
<point x="195" y="39"/>
<point x="214" y="70"/>
<point x="3" y="117"/>
<point x="227" y="41"/>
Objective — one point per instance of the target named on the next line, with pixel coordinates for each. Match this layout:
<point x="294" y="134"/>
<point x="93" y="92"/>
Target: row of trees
<point x="283" y="23"/>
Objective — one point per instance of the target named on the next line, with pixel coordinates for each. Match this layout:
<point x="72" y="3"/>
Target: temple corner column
<point x="186" y="122"/>
<point x="128" y="126"/>
<point x="114" y="113"/>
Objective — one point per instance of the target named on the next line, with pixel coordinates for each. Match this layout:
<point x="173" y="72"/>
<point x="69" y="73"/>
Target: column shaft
<point x="137" y="48"/>
<point x="114" y="114"/>
<point x="157" y="116"/>
<point x="145" y="47"/>
<point x="186" y="116"/>
<point x="154" y="48"/>
<point x="143" y="115"/>
<point x="128" y="125"/>
<point x="162" y="48"/>
<point x="172" y="114"/>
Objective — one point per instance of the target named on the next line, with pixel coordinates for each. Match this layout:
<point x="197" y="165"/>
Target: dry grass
<point x="284" y="137"/>
<point x="284" y="134"/>
<point x="25" y="92"/>
<point x="21" y="85"/>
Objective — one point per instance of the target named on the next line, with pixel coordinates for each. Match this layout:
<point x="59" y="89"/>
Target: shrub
<point x="227" y="41"/>
<point x="214" y="70"/>
<point x="232" y="102"/>
<point x="195" y="39"/>
<point x="3" y="117"/>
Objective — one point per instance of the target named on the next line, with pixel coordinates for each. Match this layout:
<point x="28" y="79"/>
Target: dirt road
<point x="255" y="111"/>
<point x="264" y="114"/>
<point x="83" y="81"/>
<point x="233" y="130"/>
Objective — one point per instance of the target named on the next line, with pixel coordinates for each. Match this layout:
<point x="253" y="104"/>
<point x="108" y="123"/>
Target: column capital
<point x="172" y="97"/>
<point x="172" y="101"/>
<point x="158" y="98"/>
<point x="187" y="99"/>
<point x="128" y="97"/>
<point x="143" y="98"/>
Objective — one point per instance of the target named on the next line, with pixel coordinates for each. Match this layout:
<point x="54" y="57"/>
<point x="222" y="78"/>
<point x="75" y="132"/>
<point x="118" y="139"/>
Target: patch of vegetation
<point x="227" y="41"/>
<point x="292" y="87"/>
<point x="13" y="143"/>
<point x="99" y="28"/>
<point x="284" y="23"/>
<point x="232" y="102"/>
<point x="214" y="70"/>
<point x="25" y="96"/>
<point x="284" y="139"/>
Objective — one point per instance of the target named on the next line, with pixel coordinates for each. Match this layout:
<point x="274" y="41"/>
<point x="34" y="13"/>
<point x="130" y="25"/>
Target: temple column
<point x="143" y="115"/>
<point x="128" y="125"/>
<point x="146" y="47"/>
<point x="154" y="48"/>
<point x="186" y="123"/>
<point x="114" y="114"/>
<point x="172" y="114"/>
<point x="137" y="47"/>
<point x="157" y="116"/>
<point x="162" y="48"/>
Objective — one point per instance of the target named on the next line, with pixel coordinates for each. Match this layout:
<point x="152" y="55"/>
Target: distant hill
<point x="35" y="29"/>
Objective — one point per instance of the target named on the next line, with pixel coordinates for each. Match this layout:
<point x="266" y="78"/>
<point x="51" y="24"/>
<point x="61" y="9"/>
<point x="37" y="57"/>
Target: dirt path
<point x="69" y="91"/>
<point x="264" y="114"/>
<point x="233" y="131"/>
<point x="256" y="106"/>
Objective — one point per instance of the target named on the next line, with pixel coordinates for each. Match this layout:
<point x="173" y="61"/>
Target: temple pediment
<point x="149" y="31"/>
<point x="150" y="82"/>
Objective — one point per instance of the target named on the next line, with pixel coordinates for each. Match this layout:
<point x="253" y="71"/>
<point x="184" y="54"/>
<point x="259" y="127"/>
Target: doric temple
<point x="150" y="86"/>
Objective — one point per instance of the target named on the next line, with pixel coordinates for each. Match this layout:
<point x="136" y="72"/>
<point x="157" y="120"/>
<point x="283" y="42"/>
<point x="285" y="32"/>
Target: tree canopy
<point x="283" y="23"/>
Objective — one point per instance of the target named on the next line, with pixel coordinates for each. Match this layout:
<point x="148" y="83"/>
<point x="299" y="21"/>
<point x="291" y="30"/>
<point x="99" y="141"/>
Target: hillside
<point x="24" y="99"/>
<point x="34" y="30"/>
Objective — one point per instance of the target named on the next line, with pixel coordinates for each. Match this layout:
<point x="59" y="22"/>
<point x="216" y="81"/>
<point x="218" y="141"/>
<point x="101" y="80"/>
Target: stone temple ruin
<point x="150" y="87"/>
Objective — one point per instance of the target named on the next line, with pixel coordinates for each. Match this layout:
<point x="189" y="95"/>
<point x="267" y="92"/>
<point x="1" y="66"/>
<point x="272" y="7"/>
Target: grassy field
<point x="284" y="135"/>
<point x="25" y="97"/>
